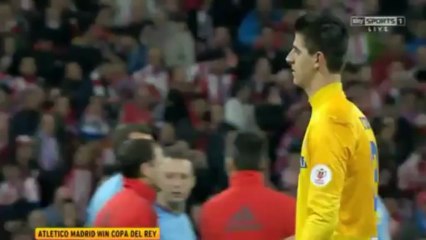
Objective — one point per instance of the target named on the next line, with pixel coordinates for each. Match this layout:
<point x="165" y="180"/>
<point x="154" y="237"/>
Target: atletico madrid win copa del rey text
<point x="97" y="233"/>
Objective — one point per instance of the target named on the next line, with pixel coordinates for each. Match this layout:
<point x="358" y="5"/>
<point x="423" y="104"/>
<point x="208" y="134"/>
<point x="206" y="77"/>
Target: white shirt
<point x="238" y="114"/>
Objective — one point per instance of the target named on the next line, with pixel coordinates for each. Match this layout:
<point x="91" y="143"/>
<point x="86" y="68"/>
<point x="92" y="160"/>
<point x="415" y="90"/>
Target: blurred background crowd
<point x="194" y="71"/>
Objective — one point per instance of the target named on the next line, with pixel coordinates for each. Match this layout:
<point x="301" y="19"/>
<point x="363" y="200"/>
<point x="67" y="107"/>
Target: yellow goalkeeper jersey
<point x="338" y="181"/>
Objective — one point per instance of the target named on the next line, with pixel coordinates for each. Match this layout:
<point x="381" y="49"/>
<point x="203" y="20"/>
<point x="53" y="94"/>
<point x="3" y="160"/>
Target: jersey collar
<point x="246" y="179"/>
<point x="141" y="188"/>
<point x="326" y="93"/>
<point x="161" y="208"/>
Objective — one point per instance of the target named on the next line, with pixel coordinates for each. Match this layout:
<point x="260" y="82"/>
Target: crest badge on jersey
<point x="321" y="175"/>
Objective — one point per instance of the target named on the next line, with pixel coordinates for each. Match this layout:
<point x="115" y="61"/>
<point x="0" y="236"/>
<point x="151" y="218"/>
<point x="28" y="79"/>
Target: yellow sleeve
<point x="330" y="144"/>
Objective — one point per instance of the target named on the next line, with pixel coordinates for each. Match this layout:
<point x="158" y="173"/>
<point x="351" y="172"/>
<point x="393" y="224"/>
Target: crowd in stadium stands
<point x="194" y="71"/>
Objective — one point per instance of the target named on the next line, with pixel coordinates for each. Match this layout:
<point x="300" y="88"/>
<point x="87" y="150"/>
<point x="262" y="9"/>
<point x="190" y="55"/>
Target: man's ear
<point x="229" y="165"/>
<point x="143" y="168"/>
<point x="319" y="60"/>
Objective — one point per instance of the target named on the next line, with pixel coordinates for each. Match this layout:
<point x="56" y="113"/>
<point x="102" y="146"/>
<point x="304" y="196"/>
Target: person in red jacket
<point x="248" y="210"/>
<point x="133" y="206"/>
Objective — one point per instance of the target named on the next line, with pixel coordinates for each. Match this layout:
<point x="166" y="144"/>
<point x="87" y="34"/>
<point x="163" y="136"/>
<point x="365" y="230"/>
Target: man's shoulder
<point x="118" y="206"/>
<point x="108" y="188"/>
<point x="342" y="112"/>
<point x="127" y="197"/>
<point x="115" y="182"/>
<point x="218" y="200"/>
<point x="228" y="195"/>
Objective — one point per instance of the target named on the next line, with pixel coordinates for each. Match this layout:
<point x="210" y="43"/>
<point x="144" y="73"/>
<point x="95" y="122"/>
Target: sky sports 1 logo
<point x="378" y="23"/>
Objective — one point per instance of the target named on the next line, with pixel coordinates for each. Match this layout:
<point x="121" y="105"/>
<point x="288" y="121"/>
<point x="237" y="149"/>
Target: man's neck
<point x="149" y="183"/>
<point x="174" y="207"/>
<point x="319" y="81"/>
<point x="145" y="181"/>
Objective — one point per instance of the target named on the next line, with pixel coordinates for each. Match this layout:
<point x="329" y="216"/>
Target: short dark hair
<point x="327" y="34"/>
<point x="176" y="153"/>
<point x="121" y="133"/>
<point x="132" y="153"/>
<point x="248" y="152"/>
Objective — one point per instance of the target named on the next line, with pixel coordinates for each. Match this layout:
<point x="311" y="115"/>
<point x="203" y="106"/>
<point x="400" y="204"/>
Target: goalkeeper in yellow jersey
<point x="338" y="180"/>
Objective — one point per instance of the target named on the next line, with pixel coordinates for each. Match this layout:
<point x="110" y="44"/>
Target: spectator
<point x="10" y="185"/>
<point x="414" y="228"/>
<point x="180" y="47"/>
<point x="394" y="52"/>
<point x="28" y="74"/>
<point x="191" y="127"/>
<point x="4" y="140"/>
<point x="49" y="148"/>
<point x="238" y="112"/>
<point x="24" y="155"/>
<point x="361" y="94"/>
<point x="269" y="45"/>
<point x="76" y="87"/>
<point x="176" y="180"/>
<point x="5" y="98"/>
<point x="36" y="219"/>
<point x="70" y="215"/>
<point x="53" y="29"/>
<point x="419" y="36"/>
<point x="411" y="172"/>
<point x="22" y="234"/>
<point x="138" y="110"/>
<point x="54" y="212"/>
<point x="137" y="54"/>
<point x="10" y="21"/>
<point x="161" y="31"/>
<point x="216" y="84"/>
<point x="93" y="125"/>
<point x="251" y="26"/>
<point x="154" y="76"/>
<point x="64" y="113"/>
<point x="181" y="90"/>
<point x="8" y="52"/>
<point x="80" y="180"/>
<point x="222" y="41"/>
<point x="26" y="120"/>
<point x="261" y="76"/>
<point x="358" y="46"/>
<point x="291" y="139"/>
<point x="167" y="135"/>
<point x="290" y="175"/>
